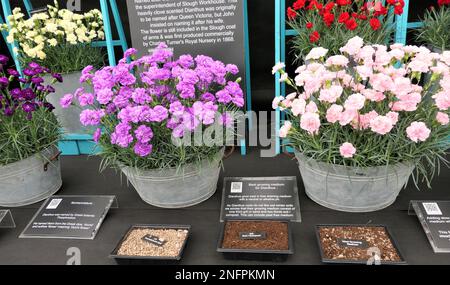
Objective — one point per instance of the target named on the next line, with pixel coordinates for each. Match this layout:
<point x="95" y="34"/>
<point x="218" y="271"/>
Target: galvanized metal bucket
<point x="351" y="189"/>
<point x="176" y="188"/>
<point x="68" y="118"/>
<point x="30" y="180"/>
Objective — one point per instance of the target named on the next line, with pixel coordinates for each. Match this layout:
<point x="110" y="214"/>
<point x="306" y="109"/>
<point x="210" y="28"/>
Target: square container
<point x="123" y="259"/>
<point x="349" y="261"/>
<point x="256" y="254"/>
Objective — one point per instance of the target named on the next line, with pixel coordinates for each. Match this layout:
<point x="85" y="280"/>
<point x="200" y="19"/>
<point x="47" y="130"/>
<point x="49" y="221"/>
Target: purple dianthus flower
<point x="143" y="149"/>
<point x="143" y="134"/>
<point x="66" y="101"/>
<point x="91" y="117"/>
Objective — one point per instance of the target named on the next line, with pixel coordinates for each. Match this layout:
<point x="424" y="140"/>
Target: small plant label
<point x="353" y="243"/>
<point x="253" y="235"/>
<point x="155" y="240"/>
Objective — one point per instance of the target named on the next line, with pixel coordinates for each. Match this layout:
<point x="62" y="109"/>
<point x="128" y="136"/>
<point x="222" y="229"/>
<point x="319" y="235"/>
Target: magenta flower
<point x="91" y="117"/>
<point x="157" y="91"/>
<point x="97" y="135"/>
<point x="66" y="101"/>
<point x="142" y="149"/>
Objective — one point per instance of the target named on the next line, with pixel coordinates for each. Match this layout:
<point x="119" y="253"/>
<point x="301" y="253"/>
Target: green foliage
<point x="165" y="154"/>
<point x="21" y="138"/>
<point x="335" y="36"/>
<point x="435" y="31"/>
<point x="377" y="150"/>
<point x="67" y="58"/>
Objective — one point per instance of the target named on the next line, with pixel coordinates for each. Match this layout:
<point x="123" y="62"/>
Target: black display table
<point x="81" y="177"/>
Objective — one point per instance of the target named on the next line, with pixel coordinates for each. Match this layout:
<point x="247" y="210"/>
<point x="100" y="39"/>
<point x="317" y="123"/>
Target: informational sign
<point x="69" y="217"/>
<point x="6" y="219"/>
<point x="208" y="27"/>
<point x="435" y="219"/>
<point x="269" y="198"/>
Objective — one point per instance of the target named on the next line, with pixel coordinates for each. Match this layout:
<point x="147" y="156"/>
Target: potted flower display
<point x="435" y="29"/>
<point x="29" y="132"/>
<point x="330" y="24"/>
<point x="147" y="111"/>
<point x="60" y="40"/>
<point x="359" y="130"/>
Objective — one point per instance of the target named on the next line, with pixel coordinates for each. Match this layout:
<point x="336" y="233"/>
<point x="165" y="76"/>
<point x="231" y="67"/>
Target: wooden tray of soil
<point x="256" y="240"/>
<point x="357" y="243"/>
<point x="152" y="244"/>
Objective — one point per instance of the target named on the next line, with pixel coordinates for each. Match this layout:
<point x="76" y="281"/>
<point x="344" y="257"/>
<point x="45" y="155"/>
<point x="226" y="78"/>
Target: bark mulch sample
<point x="276" y="235"/>
<point x="338" y="243"/>
<point x="135" y="245"/>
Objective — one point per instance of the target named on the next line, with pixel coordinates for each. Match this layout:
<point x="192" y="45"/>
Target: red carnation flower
<point x="291" y="13"/>
<point x="362" y="17"/>
<point x="375" y="24"/>
<point x="309" y="25"/>
<point x="299" y="4"/>
<point x="344" y="17"/>
<point x="380" y="10"/>
<point x="398" y="10"/>
<point x="314" y="37"/>
<point x="351" y="24"/>
<point x="328" y="18"/>
<point x="314" y="5"/>
<point x="343" y="2"/>
<point x="329" y="6"/>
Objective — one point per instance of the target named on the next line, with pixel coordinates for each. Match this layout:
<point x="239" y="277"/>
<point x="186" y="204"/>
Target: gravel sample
<point x="135" y="245"/>
<point x="276" y="235"/>
<point x="352" y="243"/>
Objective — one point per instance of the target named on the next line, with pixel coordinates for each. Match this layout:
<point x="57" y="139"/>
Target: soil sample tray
<point x="359" y="244"/>
<point x="152" y="244"/>
<point x="256" y="240"/>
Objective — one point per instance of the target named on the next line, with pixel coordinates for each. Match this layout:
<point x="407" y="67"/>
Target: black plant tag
<point x="154" y="240"/>
<point x="253" y="235"/>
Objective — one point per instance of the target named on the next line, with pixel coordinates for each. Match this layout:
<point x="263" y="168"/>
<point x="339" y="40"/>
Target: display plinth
<point x="6" y="219"/>
<point x="70" y="217"/>
<point x="434" y="216"/>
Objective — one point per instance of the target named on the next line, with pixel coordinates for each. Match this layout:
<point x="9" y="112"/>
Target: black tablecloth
<point x="81" y="177"/>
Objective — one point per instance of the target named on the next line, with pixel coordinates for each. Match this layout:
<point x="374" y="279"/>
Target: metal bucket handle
<point x="53" y="158"/>
<point x="227" y="155"/>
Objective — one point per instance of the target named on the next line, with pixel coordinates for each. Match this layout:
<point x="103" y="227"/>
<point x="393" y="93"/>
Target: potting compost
<point x="153" y="242"/>
<point x="272" y="235"/>
<point x="352" y="243"/>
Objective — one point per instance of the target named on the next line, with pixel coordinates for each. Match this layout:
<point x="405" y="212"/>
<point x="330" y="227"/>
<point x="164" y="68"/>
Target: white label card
<point x="236" y="187"/>
<point x="432" y="209"/>
<point x="54" y="204"/>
